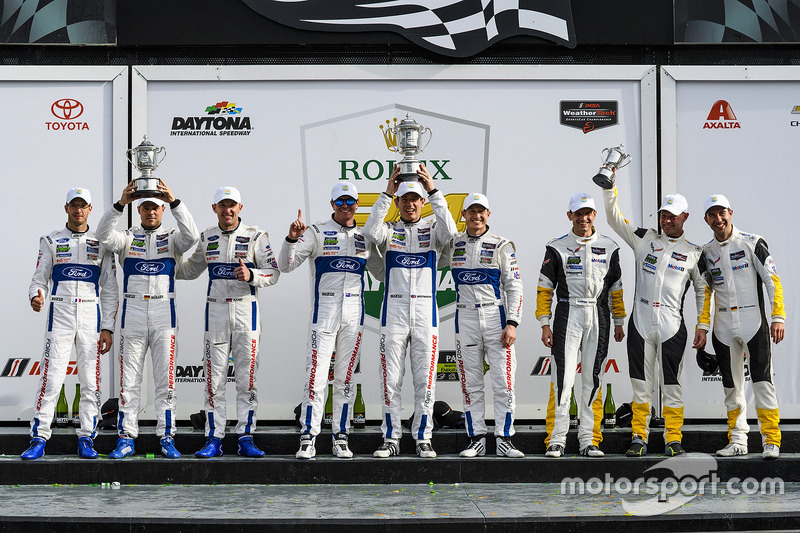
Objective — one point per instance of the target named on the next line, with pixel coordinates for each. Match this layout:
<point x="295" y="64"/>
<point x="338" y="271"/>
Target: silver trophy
<point x="145" y="158"/>
<point x="408" y="135"/>
<point x="614" y="158"/>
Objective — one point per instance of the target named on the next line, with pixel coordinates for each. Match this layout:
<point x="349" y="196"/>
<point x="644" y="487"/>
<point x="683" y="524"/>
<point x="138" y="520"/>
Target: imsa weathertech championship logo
<point x="221" y="119"/>
<point x="589" y="115"/>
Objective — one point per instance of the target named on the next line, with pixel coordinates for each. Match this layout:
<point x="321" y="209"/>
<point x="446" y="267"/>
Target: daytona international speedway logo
<point x="220" y="119"/>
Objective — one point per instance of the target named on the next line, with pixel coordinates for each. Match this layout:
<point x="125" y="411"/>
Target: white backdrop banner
<point x="529" y="137"/>
<point x="732" y="131"/>
<point x="67" y="128"/>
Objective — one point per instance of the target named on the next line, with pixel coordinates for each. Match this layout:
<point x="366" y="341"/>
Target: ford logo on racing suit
<point x="410" y="261"/>
<point x="223" y="271"/>
<point x="77" y="273"/>
<point x="346" y="264"/>
<point x="472" y="278"/>
<point x="149" y="268"/>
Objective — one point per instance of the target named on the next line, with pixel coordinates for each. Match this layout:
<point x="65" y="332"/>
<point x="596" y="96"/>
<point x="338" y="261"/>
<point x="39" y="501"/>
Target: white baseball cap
<point x="344" y="189"/>
<point x="409" y="186"/>
<point x="79" y="192"/>
<point x="475" y="198"/>
<point x="714" y="200"/>
<point x="675" y="204"/>
<point x="581" y="201"/>
<point x="156" y="201"/>
<point x="227" y="193"/>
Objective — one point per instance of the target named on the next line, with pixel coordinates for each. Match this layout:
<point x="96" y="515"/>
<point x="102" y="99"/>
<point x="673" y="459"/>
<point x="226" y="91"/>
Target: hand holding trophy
<point x="614" y="158"/>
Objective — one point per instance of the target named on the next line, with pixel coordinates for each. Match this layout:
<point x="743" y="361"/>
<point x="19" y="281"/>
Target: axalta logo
<point x="222" y="119"/>
<point x="67" y="110"/>
<point x="542" y="366"/>
<point x="721" y="116"/>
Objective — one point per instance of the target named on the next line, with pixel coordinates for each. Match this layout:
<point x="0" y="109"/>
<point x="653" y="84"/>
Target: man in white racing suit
<point x="738" y="266"/>
<point x="239" y="260"/>
<point x="409" y="316"/>
<point x="488" y="312"/>
<point x="665" y="264"/>
<point x="338" y="253"/>
<point x="148" y="255"/>
<point x="79" y="277"/>
<point x="582" y="269"/>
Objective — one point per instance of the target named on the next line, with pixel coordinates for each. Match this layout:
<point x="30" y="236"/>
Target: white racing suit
<point x="232" y="321"/>
<point x="338" y="256"/>
<point x="148" y="259"/>
<point x="409" y="315"/>
<point x="656" y="330"/>
<point x="736" y="270"/>
<point x="80" y="279"/>
<point x="585" y="275"/>
<point x="489" y="296"/>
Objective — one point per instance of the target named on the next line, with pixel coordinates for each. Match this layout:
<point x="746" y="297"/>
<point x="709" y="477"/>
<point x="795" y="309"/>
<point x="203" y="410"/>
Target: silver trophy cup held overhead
<point x="613" y="159"/>
<point x="145" y="158"/>
<point x="408" y="135"/>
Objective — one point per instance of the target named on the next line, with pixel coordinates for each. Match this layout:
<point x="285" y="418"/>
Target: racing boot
<point x="35" y="450"/>
<point x="85" y="448"/>
<point x="388" y="448"/>
<point x="307" y="449"/>
<point x="506" y="449"/>
<point x="124" y="448"/>
<point x="247" y="448"/>
<point x="477" y="446"/>
<point x="425" y="450"/>
<point x="168" y="448"/>
<point x="212" y="448"/>
<point x="340" y="447"/>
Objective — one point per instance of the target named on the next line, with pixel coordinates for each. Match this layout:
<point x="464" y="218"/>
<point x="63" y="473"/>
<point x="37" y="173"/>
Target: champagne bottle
<point x="62" y="409"/>
<point x="573" y="411"/>
<point x="76" y="418"/>
<point x="359" y="410"/>
<point x="609" y="410"/>
<point x="327" y="421"/>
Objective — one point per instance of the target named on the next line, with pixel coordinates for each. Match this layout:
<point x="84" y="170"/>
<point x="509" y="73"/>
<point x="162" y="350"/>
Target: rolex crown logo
<point x="389" y="135"/>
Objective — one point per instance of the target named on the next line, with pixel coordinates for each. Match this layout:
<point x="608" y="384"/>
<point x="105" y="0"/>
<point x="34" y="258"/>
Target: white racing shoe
<point x="771" y="451"/>
<point x="477" y="446"/>
<point x="307" y="449"/>
<point x="732" y="449"/>
<point x="425" y="450"/>
<point x="389" y="448"/>
<point x="340" y="447"/>
<point x="505" y="448"/>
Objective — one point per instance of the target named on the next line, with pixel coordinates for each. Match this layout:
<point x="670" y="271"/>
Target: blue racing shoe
<point x="124" y="448"/>
<point x="247" y="448"/>
<point x="35" y="450"/>
<point x="212" y="448"/>
<point x="86" y="449"/>
<point x="168" y="448"/>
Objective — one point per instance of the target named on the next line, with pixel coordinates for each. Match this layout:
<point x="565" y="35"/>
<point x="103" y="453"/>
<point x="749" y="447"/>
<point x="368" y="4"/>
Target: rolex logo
<point x="388" y="134"/>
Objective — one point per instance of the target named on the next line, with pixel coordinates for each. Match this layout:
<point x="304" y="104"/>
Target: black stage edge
<point x="710" y="522"/>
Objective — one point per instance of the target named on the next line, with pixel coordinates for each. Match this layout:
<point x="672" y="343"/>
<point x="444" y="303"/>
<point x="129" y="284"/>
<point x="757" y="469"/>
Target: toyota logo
<point x="66" y="109"/>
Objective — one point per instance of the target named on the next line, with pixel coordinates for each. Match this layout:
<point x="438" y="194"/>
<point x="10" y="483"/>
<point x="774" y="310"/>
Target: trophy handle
<point x="625" y="161"/>
<point x="603" y="154"/>
<point x="430" y="136"/>
<point x="163" y="157"/>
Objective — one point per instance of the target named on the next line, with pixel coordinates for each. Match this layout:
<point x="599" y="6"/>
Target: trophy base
<point x="408" y="170"/>
<point x="147" y="188"/>
<point x="605" y="179"/>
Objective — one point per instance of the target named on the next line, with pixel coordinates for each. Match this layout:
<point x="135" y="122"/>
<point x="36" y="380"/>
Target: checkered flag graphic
<point x="458" y="28"/>
<point x="58" y="21"/>
<point x="737" y="21"/>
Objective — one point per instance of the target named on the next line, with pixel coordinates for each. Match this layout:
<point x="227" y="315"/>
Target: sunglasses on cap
<point x="339" y="202"/>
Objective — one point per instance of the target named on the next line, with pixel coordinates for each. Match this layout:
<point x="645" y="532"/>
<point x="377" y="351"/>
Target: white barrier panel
<point x="285" y="135"/>
<point x="734" y="131"/>
<point x="64" y="128"/>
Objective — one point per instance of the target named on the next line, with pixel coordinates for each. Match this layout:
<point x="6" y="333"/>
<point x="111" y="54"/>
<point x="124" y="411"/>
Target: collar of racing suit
<point x="228" y="231"/>
<point x="353" y="225"/>
<point x="66" y="225"/>
<point x="584" y="240"/>
<point x="478" y="236"/>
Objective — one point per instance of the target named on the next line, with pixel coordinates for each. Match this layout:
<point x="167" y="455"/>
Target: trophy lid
<point x="145" y="144"/>
<point x="408" y="122"/>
